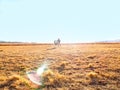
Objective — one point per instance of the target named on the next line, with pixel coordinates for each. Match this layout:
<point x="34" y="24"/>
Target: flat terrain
<point x="84" y="66"/>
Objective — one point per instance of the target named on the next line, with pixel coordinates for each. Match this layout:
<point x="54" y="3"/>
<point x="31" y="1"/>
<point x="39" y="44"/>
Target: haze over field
<point x="72" y="21"/>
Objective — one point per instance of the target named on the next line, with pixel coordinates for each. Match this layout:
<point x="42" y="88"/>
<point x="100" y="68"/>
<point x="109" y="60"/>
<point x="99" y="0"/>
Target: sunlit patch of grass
<point x="53" y="78"/>
<point x="2" y="78"/>
<point x="90" y="65"/>
<point x="109" y="75"/>
<point x="93" y="78"/>
<point x="15" y="82"/>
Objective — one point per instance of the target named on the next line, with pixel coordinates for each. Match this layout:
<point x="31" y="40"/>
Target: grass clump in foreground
<point x="95" y="79"/>
<point x="54" y="79"/>
<point x="15" y="82"/>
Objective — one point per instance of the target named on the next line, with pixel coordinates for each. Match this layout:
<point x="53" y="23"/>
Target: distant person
<point x="57" y="42"/>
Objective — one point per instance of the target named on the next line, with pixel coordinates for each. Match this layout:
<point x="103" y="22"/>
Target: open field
<point x="82" y="66"/>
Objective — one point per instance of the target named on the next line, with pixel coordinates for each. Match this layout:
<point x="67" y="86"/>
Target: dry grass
<point x="73" y="67"/>
<point x="54" y="79"/>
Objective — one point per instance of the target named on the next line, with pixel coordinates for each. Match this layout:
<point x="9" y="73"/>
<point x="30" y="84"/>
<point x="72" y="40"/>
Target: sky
<point x="70" y="20"/>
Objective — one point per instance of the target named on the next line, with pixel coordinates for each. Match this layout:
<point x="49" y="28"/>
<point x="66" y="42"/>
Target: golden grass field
<point x="74" y="66"/>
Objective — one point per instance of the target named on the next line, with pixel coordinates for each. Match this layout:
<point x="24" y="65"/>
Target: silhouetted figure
<point x="57" y="42"/>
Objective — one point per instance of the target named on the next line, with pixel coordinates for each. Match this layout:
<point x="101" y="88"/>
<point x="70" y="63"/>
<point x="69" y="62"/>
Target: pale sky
<point x="70" y="20"/>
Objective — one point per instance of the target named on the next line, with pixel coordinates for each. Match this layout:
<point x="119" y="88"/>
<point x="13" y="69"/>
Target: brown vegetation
<point x="73" y="66"/>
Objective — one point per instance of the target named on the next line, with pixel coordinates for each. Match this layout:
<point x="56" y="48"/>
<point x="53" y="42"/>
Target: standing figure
<point x="57" y="42"/>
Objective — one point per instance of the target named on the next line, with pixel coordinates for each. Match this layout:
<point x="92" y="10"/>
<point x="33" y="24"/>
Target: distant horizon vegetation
<point x="104" y="41"/>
